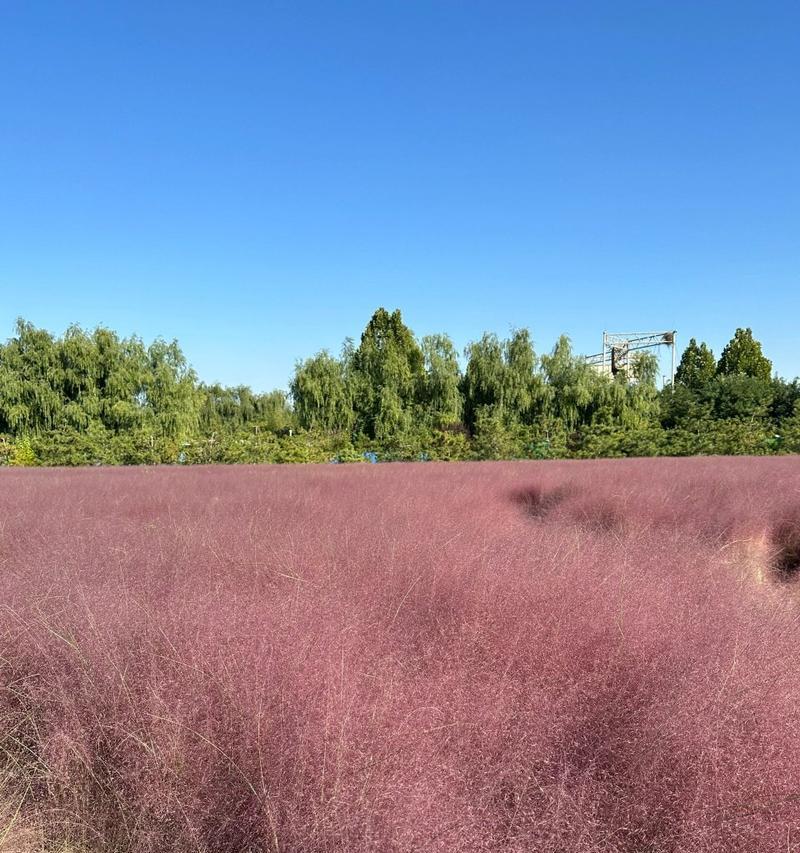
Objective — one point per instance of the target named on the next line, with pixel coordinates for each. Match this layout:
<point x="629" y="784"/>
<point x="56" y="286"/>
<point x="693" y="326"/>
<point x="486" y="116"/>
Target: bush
<point x="20" y="453"/>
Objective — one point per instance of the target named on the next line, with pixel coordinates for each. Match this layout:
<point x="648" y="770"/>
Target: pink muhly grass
<point x="559" y="657"/>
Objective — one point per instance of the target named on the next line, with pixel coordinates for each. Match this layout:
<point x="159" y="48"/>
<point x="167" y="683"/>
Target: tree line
<point x="98" y="398"/>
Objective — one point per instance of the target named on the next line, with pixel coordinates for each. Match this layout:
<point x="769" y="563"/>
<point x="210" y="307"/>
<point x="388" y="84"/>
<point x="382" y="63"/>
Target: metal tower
<point x="617" y="347"/>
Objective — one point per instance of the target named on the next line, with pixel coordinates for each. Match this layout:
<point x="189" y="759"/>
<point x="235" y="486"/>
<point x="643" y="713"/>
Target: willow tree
<point x="227" y="409"/>
<point x="79" y="364"/>
<point x="99" y="380"/>
<point x="222" y="407"/>
<point x="272" y="411"/>
<point x="441" y="398"/>
<point x="524" y="391"/>
<point x="122" y="369"/>
<point x="321" y="394"/>
<point x="30" y="381"/>
<point x="502" y="377"/>
<point x="170" y="391"/>
<point x="640" y="403"/>
<point x="484" y="382"/>
<point x="574" y="388"/>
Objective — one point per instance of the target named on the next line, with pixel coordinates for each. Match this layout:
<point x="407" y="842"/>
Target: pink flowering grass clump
<point x="566" y="657"/>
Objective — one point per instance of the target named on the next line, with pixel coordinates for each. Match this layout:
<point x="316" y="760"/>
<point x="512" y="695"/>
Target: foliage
<point x="93" y="398"/>
<point x="233" y="408"/>
<point x="697" y="366"/>
<point x="387" y="375"/>
<point x="449" y="444"/>
<point x="321" y="394"/>
<point x="494" y="438"/>
<point x="57" y="384"/>
<point x="742" y="355"/>
<point x="740" y="396"/>
<point x="573" y="387"/>
<point x="484" y="379"/>
<point x="503" y="376"/>
<point x="789" y="437"/>
<point x="21" y="454"/>
<point x="441" y="401"/>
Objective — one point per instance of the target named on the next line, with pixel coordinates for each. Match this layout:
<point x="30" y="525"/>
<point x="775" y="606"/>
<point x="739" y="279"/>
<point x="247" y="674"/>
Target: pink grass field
<point x="532" y="656"/>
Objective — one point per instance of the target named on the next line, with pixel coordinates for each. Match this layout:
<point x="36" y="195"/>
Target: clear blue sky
<point x="254" y="179"/>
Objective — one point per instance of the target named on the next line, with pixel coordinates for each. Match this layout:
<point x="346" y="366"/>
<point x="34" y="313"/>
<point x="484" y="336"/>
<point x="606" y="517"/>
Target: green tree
<point x="441" y="401"/>
<point x="94" y="397"/>
<point x="790" y="431"/>
<point x="321" y="394"/>
<point x="573" y="386"/>
<point x="231" y="409"/>
<point x="170" y="391"/>
<point x="484" y="379"/>
<point x="81" y="381"/>
<point x="388" y="376"/>
<point x="743" y="355"/>
<point x="523" y="390"/>
<point x="785" y="396"/>
<point x="494" y="437"/>
<point x="273" y="412"/>
<point x="685" y="408"/>
<point x="740" y="396"/>
<point x="644" y="369"/>
<point x="697" y="366"/>
<point x="503" y="376"/>
<point x="30" y="380"/>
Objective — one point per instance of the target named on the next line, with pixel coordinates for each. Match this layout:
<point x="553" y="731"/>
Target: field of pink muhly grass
<point x="564" y="657"/>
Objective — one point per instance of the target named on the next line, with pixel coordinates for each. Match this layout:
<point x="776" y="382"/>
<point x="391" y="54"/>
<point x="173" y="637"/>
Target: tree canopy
<point x="94" y="397"/>
<point x="742" y="356"/>
<point x="388" y="375"/>
<point x="697" y="366"/>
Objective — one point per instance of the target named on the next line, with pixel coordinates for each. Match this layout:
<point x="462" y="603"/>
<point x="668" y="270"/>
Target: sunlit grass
<point x="562" y="657"/>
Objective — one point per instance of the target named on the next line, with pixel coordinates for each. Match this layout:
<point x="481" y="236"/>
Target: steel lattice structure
<point x="617" y="347"/>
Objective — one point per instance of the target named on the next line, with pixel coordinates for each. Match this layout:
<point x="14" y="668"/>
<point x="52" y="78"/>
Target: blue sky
<point x="254" y="179"/>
